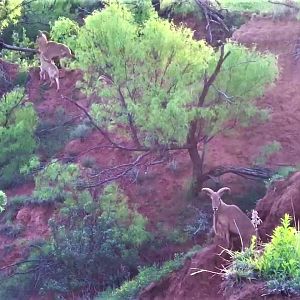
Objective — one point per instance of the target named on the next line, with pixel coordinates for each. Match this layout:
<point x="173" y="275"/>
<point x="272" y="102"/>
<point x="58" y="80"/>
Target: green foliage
<point x="80" y="131"/>
<point x="282" y="173"/>
<point x="266" y="151"/>
<point x="65" y="31"/>
<point x="142" y="10"/>
<point x="10" y="12"/>
<point x="242" y="266"/>
<point x="281" y="256"/>
<point x="130" y="289"/>
<point x="260" y="6"/>
<point x="180" y="8"/>
<point x="157" y="71"/>
<point x="244" y="75"/>
<point x="284" y="287"/>
<point x="24" y="60"/>
<point x="42" y="13"/>
<point x="17" y="125"/>
<point x="277" y="264"/>
<point x="56" y="181"/>
<point x="159" y="103"/>
<point x="114" y="205"/>
<point x="94" y="244"/>
<point x="3" y="201"/>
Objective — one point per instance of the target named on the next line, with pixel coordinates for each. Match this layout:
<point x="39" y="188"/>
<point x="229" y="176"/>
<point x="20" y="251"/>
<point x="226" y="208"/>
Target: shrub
<point x="180" y="8"/>
<point x="282" y="173"/>
<point x="3" y="201"/>
<point x="284" y="287"/>
<point x="266" y="151"/>
<point x="281" y="256"/>
<point x="200" y="225"/>
<point x="17" y="125"/>
<point x="56" y="181"/>
<point x="88" y="162"/>
<point x="11" y="230"/>
<point x="278" y="264"/>
<point x="95" y="244"/>
<point x="81" y="131"/>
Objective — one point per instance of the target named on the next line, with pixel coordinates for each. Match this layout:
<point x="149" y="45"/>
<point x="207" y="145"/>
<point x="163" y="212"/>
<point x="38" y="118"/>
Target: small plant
<point x="56" y="181"/>
<point x="266" y="152"/>
<point x="201" y="224"/>
<point x="282" y="173"/>
<point x="177" y="236"/>
<point x="3" y="201"/>
<point x="180" y="8"/>
<point x="88" y="162"/>
<point x="284" y="287"/>
<point x="281" y="256"/>
<point x="81" y="132"/>
<point x="11" y="230"/>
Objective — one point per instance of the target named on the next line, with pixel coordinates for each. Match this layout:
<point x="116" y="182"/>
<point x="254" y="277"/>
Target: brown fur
<point x="51" y="49"/>
<point x="229" y="219"/>
<point x="51" y="69"/>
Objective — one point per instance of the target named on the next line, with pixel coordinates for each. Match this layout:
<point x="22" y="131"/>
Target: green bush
<point x="81" y="131"/>
<point x="56" y="181"/>
<point x="282" y="173"/>
<point x="17" y="125"/>
<point x="278" y="264"/>
<point x="180" y="8"/>
<point x="281" y="257"/>
<point x="89" y="162"/>
<point x="11" y="230"/>
<point x="94" y="244"/>
<point x="284" y="287"/>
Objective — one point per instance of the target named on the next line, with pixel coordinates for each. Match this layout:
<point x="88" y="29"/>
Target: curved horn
<point x="223" y="190"/>
<point x="208" y="191"/>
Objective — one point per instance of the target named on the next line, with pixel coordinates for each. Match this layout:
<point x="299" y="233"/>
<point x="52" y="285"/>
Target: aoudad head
<point x="216" y="196"/>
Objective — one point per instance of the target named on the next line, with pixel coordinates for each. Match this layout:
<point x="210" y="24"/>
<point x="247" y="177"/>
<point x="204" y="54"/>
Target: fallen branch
<point x="15" y="48"/>
<point x="249" y="173"/>
<point x="284" y="4"/>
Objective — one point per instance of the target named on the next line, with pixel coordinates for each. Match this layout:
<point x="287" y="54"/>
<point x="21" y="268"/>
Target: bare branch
<point x="284" y="4"/>
<point x="130" y="166"/>
<point x="170" y="147"/>
<point x="103" y="132"/>
<point x="15" y="48"/>
<point x="207" y="84"/>
<point x="249" y="173"/>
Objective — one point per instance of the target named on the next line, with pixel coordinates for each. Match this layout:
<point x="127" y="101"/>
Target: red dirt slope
<point x="284" y="101"/>
<point x="283" y="197"/>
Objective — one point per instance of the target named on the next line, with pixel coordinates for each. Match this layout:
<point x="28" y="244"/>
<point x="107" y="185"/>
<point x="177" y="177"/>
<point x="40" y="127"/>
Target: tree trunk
<point x="197" y="162"/>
